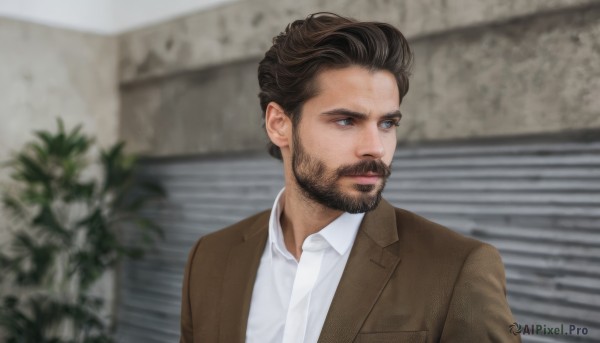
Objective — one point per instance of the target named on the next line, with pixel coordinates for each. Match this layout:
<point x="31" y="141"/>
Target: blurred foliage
<point x="66" y="228"/>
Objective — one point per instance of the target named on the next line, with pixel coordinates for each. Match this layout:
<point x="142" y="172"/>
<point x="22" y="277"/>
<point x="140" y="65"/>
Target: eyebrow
<point x="359" y="115"/>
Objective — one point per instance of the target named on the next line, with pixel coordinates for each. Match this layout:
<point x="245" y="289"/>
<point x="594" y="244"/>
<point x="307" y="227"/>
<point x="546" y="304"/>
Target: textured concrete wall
<point x="482" y="68"/>
<point x="214" y="110"/>
<point x="244" y="29"/>
<point x="535" y="75"/>
<point x="46" y="73"/>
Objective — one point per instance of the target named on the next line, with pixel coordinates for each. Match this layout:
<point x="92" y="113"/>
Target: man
<point x="332" y="261"/>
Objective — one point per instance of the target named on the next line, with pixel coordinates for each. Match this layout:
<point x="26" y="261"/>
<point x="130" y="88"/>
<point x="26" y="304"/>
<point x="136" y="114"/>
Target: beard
<point x="321" y="185"/>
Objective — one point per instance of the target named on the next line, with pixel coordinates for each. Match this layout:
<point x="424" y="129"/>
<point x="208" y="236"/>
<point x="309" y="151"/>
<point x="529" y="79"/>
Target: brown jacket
<point x="407" y="280"/>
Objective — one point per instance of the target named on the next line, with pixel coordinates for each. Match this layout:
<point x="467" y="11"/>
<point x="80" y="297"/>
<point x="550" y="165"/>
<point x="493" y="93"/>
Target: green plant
<point x="66" y="220"/>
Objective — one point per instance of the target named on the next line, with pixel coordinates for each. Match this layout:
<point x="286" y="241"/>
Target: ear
<point x="278" y="125"/>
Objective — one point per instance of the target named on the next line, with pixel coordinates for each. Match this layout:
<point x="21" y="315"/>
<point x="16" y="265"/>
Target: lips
<point x="366" y="179"/>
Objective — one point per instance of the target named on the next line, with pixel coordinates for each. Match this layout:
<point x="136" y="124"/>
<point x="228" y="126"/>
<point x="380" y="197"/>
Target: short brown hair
<point x="324" y="41"/>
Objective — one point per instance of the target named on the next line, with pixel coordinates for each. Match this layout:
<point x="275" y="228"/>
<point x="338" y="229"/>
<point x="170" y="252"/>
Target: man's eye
<point x="388" y="124"/>
<point x="345" y="122"/>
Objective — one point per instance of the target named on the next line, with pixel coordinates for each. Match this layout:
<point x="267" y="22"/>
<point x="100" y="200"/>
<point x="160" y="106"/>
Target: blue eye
<point x="344" y="122"/>
<point x="388" y="124"/>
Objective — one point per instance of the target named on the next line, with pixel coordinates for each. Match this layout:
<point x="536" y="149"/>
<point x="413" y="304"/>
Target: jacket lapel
<point x="370" y="265"/>
<point x="238" y="281"/>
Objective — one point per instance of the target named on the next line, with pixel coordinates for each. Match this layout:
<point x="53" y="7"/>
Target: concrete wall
<point x="244" y="29"/>
<point x="205" y="111"/>
<point x="482" y="68"/>
<point x="531" y="75"/>
<point x="48" y="73"/>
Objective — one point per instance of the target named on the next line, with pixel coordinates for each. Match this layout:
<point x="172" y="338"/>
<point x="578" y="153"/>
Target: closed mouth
<point x="365" y="175"/>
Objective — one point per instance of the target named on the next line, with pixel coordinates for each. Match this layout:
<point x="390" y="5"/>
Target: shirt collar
<point x="339" y="234"/>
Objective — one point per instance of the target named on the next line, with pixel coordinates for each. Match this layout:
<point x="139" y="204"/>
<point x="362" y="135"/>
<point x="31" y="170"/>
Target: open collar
<point x="372" y="261"/>
<point x="339" y="234"/>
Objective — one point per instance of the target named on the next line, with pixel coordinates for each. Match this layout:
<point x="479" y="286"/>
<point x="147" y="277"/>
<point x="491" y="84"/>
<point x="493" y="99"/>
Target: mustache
<point x="361" y="168"/>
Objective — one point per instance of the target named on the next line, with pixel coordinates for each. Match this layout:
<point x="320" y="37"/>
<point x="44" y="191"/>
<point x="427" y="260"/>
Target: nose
<point x="370" y="143"/>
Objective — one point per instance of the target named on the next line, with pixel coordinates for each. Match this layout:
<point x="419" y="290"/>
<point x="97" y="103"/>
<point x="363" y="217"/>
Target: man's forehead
<point x="357" y="89"/>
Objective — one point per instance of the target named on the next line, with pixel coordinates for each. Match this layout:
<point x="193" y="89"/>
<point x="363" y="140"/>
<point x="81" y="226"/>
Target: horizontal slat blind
<point x="204" y="195"/>
<point x="539" y="204"/>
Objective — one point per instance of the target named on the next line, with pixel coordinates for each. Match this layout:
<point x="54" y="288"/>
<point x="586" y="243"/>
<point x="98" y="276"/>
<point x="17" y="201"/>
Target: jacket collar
<point x="380" y="224"/>
<point x="372" y="260"/>
<point x="238" y="280"/>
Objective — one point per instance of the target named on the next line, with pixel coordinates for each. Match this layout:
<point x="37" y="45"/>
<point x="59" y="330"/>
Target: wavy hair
<point x="324" y="41"/>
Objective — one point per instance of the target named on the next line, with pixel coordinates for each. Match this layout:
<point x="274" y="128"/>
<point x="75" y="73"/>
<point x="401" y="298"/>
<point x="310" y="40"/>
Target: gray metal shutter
<point x="204" y="195"/>
<point x="537" y="203"/>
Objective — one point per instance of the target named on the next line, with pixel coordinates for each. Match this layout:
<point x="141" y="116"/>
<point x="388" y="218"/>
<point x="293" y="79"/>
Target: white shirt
<point x="291" y="298"/>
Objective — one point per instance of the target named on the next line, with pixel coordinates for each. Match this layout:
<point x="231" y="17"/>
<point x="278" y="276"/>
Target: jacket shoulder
<point x="422" y="233"/>
<point x="236" y="232"/>
<point x="215" y="246"/>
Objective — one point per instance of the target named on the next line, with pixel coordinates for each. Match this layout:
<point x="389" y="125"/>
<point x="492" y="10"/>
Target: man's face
<point x="343" y="146"/>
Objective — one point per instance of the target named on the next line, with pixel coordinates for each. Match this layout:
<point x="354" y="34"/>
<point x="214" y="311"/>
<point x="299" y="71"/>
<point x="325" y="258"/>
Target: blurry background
<point x="500" y="137"/>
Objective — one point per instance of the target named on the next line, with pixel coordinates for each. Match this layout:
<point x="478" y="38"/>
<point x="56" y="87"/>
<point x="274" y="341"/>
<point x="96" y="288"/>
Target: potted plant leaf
<point x="66" y="216"/>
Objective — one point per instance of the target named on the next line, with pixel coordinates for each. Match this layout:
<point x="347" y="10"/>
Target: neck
<point x="301" y="217"/>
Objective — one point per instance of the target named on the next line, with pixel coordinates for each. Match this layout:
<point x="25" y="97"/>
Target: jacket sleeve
<point x="187" y="329"/>
<point x="478" y="310"/>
